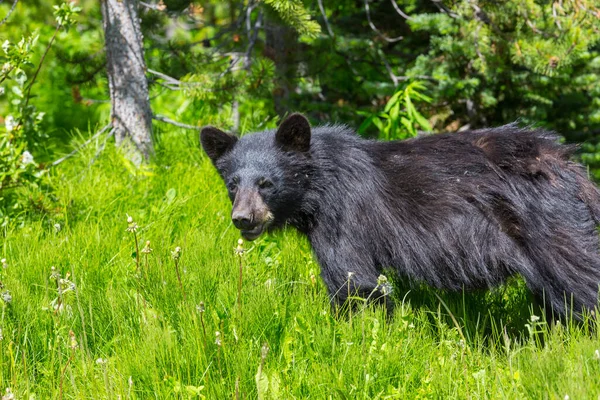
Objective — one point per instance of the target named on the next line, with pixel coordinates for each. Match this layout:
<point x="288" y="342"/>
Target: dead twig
<point x="377" y="31"/>
<point x="162" y="118"/>
<point x="9" y="12"/>
<point x="78" y="149"/>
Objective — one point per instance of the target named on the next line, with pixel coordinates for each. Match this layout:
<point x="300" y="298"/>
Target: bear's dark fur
<point x="457" y="211"/>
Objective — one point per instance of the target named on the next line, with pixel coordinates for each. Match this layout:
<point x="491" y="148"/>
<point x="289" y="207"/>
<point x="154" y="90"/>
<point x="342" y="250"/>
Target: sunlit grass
<point x="98" y="311"/>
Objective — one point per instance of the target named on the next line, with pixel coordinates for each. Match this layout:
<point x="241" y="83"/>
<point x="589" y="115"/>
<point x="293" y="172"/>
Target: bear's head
<point x="266" y="173"/>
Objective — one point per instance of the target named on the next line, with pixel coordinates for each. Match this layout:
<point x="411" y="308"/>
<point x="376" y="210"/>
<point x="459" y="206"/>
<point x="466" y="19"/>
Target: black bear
<point x="457" y="211"/>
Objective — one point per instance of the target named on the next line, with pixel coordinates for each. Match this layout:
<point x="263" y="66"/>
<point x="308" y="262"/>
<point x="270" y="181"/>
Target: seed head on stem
<point x="176" y="255"/>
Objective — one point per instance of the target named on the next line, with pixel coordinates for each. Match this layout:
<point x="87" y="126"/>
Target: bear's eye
<point x="232" y="185"/>
<point x="264" y="183"/>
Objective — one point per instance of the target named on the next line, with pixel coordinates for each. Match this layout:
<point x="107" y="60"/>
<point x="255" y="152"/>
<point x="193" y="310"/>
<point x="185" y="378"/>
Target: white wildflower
<point x="27" y="158"/>
<point x="132" y="226"/>
<point x="147" y="249"/>
<point x="10" y="123"/>
<point x="6" y="297"/>
<point x="9" y="395"/>
<point x="176" y="253"/>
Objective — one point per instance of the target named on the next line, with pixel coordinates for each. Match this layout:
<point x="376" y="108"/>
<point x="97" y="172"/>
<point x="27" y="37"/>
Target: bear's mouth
<point x="254" y="233"/>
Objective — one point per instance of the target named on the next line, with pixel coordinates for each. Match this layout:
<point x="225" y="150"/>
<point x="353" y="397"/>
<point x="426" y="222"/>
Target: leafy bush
<point x="400" y="118"/>
<point x="22" y="131"/>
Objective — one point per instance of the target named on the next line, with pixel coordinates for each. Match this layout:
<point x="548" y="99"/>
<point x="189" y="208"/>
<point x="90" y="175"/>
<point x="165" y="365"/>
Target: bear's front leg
<point x="349" y="273"/>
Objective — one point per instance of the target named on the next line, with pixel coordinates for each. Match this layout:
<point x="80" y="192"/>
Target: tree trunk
<point x="281" y="45"/>
<point x="131" y="114"/>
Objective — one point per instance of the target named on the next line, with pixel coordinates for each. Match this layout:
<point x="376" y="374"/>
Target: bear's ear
<point x="294" y="134"/>
<point x="216" y="142"/>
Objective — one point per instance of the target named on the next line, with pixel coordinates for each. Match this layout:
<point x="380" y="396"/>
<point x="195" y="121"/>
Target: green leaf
<point x="366" y="123"/>
<point x="377" y="122"/>
<point x="170" y="195"/>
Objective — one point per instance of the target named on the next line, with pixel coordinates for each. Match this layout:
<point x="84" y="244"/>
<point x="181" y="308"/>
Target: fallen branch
<point x="77" y="150"/>
<point x="162" y="118"/>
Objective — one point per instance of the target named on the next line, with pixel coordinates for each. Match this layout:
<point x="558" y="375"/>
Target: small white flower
<point x="535" y="318"/>
<point x="54" y="274"/>
<point x="567" y="397"/>
<point x="239" y="249"/>
<point x="27" y="158"/>
<point x="9" y="395"/>
<point x="101" y="361"/>
<point x="597" y="354"/>
<point x="4" y="263"/>
<point x="1" y="337"/>
<point x="350" y="275"/>
<point x="218" y="338"/>
<point x="132" y="226"/>
<point x="10" y="123"/>
<point x="147" y="249"/>
<point x="6" y="297"/>
<point x="387" y="289"/>
<point x="176" y="253"/>
<point x="57" y="227"/>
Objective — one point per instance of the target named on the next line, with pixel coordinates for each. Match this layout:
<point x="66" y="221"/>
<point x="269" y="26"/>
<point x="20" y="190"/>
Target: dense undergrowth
<point x="86" y="314"/>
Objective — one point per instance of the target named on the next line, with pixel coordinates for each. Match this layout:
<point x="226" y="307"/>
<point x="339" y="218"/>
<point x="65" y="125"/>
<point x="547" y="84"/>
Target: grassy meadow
<point x="87" y="315"/>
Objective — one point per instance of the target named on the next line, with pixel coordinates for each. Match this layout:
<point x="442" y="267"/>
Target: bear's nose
<point x="243" y="221"/>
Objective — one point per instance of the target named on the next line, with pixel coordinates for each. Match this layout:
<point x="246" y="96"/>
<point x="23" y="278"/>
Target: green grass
<point x="138" y="336"/>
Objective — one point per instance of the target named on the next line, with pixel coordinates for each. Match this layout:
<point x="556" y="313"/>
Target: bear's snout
<point x="250" y="214"/>
<point x="243" y="219"/>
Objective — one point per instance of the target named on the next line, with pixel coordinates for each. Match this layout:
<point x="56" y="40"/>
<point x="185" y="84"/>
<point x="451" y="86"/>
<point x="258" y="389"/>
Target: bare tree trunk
<point x="281" y="45"/>
<point x="131" y="113"/>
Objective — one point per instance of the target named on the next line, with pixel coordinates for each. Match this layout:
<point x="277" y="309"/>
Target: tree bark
<point x="281" y="45"/>
<point x="131" y="113"/>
